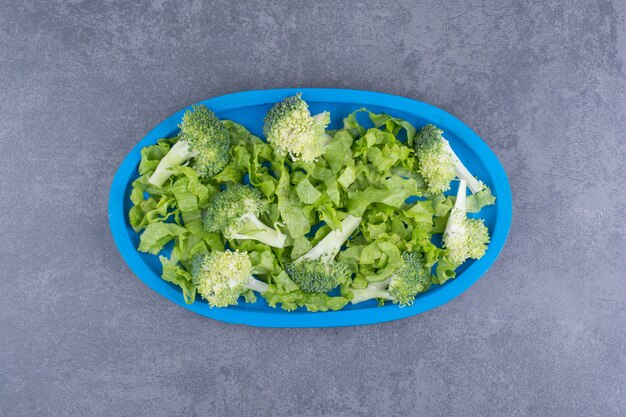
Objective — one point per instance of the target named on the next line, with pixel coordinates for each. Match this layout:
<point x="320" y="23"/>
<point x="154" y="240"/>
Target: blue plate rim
<point x="272" y="318"/>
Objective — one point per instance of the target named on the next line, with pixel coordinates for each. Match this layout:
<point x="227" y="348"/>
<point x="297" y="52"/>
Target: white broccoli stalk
<point x="462" y="172"/>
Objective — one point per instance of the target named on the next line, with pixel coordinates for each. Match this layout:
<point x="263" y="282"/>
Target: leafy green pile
<point x="311" y="218"/>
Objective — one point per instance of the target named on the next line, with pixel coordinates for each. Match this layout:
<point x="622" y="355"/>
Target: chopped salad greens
<point x="310" y="218"/>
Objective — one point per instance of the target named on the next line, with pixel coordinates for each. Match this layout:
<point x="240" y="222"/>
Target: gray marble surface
<point x="542" y="334"/>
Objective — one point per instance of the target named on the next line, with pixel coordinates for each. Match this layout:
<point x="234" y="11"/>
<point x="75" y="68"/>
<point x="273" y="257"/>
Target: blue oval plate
<point x="248" y="108"/>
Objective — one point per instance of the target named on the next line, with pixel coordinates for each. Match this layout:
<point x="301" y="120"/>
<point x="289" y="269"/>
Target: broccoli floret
<point x="222" y="277"/>
<point x="434" y="161"/>
<point x="463" y="238"/>
<point x="202" y="137"/>
<point x="290" y="127"/>
<point x="477" y="238"/>
<point x="317" y="270"/>
<point x="437" y="162"/>
<point x="235" y="213"/>
<point x="402" y="287"/>
<point x="317" y="275"/>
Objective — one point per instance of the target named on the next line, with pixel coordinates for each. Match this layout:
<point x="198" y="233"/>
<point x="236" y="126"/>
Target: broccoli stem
<point x="461" y="197"/>
<point x="459" y="210"/>
<point x="257" y="285"/>
<point x="331" y="244"/>
<point x="463" y="173"/>
<point x="177" y="155"/>
<point x="257" y="230"/>
<point x="373" y="290"/>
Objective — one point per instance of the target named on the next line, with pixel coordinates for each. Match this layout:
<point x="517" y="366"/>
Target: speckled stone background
<point x="542" y="334"/>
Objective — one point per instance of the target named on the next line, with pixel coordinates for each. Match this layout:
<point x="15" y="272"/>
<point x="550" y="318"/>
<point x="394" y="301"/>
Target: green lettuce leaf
<point x="477" y="201"/>
<point x="177" y="275"/>
<point x="307" y="193"/>
<point x="393" y="192"/>
<point x="290" y="208"/>
<point x="158" y="235"/>
<point x="339" y="151"/>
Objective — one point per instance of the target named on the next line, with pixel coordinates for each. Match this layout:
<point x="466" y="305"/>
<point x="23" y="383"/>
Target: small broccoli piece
<point x="317" y="275"/>
<point x="222" y="277"/>
<point x="202" y="137"/>
<point x="402" y="287"/>
<point x="235" y="213"/>
<point x="463" y="238"/>
<point x="290" y="127"/>
<point x="434" y="161"/>
<point x="437" y="162"/>
<point x="317" y="271"/>
<point x="477" y="238"/>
